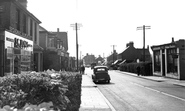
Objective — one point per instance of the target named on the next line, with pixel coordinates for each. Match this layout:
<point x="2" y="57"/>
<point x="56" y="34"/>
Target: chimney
<point x="58" y="30"/>
<point x="131" y="44"/>
<point x="23" y="3"/>
<point x="172" y="39"/>
<point x="148" y="47"/>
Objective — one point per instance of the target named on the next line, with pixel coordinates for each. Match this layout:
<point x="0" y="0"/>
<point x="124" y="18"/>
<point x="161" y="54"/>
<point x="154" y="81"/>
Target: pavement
<point x="93" y="100"/>
<point x="158" y="79"/>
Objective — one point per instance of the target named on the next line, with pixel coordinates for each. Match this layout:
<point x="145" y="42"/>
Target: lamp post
<point x="143" y="28"/>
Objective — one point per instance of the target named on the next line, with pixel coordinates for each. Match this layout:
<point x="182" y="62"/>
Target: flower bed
<point x="62" y="89"/>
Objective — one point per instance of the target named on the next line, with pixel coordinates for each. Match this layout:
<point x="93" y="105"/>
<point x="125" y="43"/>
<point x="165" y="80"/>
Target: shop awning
<point x="117" y="62"/>
<point x="124" y="61"/>
<point x="37" y="48"/>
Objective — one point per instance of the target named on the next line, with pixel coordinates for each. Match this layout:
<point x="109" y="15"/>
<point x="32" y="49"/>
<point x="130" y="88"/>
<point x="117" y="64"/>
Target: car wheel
<point x="108" y="81"/>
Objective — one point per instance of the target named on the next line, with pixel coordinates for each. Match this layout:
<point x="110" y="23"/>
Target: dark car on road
<point x="100" y="73"/>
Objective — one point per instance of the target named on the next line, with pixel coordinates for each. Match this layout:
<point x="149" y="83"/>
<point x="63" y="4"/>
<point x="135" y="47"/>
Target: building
<point x="63" y="37"/>
<point x="18" y="35"/>
<point x="99" y="60"/>
<point x="55" y="53"/>
<point x="169" y="59"/>
<point x="132" y="54"/>
<point x="89" y="59"/>
<point x="112" y="58"/>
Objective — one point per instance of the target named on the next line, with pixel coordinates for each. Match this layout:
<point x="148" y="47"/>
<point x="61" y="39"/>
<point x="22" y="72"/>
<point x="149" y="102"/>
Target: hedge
<point x="146" y="68"/>
<point x="63" y="90"/>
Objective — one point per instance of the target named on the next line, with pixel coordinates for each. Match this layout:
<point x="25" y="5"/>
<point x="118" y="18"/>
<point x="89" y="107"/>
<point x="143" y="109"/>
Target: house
<point x="89" y="59"/>
<point x="55" y="49"/>
<point x="112" y="58"/>
<point x="18" y="36"/>
<point x="132" y="54"/>
<point x="99" y="60"/>
<point x="169" y="59"/>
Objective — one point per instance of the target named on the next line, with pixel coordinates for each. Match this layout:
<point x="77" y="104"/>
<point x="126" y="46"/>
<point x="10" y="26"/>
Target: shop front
<point x="169" y="60"/>
<point x="17" y="54"/>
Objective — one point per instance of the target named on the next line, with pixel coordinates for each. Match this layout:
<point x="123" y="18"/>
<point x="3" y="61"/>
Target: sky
<point x="112" y="22"/>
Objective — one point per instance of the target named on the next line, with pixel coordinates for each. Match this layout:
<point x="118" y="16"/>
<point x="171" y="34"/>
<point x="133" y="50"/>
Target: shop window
<point x="8" y="61"/>
<point x="172" y="60"/>
<point x="157" y="61"/>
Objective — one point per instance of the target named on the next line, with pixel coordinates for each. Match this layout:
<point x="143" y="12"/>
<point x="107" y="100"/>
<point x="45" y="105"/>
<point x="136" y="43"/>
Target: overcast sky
<point x="112" y="22"/>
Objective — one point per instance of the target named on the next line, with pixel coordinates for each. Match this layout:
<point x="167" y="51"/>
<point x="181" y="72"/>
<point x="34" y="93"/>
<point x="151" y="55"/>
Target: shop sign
<point x="12" y="40"/>
<point x="17" y="32"/>
<point x="19" y="43"/>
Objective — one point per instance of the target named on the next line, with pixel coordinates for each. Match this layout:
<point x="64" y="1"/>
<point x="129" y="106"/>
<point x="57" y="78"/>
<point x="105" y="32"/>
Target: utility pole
<point x="113" y="52"/>
<point x="143" y="28"/>
<point x="76" y="27"/>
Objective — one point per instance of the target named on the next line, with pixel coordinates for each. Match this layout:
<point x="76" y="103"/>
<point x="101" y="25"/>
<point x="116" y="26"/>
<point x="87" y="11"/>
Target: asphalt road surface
<point x="131" y="93"/>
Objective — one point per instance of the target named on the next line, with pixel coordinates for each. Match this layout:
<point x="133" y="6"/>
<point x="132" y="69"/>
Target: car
<point x="100" y="73"/>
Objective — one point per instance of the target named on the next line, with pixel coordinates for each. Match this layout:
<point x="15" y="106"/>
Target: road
<point x="131" y="93"/>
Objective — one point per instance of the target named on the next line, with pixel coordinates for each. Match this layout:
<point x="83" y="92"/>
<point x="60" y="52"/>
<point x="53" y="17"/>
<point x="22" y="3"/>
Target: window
<point x="157" y="61"/>
<point x="17" y="21"/>
<point x="171" y="60"/>
<point x="51" y="42"/>
<point x="24" y="23"/>
<point x="31" y="27"/>
<point x="35" y="40"/>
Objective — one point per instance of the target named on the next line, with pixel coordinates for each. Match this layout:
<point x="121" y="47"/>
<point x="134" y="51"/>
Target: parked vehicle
<point x="100" y="73"/>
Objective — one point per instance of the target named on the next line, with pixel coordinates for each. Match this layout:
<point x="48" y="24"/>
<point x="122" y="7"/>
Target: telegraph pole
<point x="113" y="52"/>
<point x="143" y="28"/>
<point x="76" y="26"/>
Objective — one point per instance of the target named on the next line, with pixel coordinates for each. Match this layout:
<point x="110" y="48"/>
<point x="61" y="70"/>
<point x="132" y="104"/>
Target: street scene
<point x="129" y="92"/>
<point x="92" y="55"/>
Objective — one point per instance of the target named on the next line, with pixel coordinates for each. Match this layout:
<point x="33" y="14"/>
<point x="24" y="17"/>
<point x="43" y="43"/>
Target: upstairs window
<point x="35" y="40"/>
<point x="24" y="23"/>
<point x="51" y="42"/>
<point x="17" y="21"/>
<point x="31" y="27"/>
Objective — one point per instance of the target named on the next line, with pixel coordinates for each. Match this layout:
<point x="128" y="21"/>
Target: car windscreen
<point x="100" y="69"/>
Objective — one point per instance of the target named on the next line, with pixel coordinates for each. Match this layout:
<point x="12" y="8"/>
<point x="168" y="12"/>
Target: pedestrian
<point x="82" y="69"/>
<point x="138" y="70"/>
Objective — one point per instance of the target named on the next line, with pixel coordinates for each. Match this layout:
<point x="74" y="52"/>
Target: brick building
<point x="18" y="36"/>
<point x="55" y="45"/>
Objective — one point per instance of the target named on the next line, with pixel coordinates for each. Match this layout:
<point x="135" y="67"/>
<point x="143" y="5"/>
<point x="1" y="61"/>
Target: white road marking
<point x="159" y="92"/>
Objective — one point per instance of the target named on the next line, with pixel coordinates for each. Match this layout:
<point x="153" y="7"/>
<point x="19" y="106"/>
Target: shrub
<point x="146" y="68"/>
<point x="36" y="88"/>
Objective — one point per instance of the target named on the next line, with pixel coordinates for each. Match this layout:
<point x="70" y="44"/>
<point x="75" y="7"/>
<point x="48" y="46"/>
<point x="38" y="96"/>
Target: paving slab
<point x="91" y="98"/>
